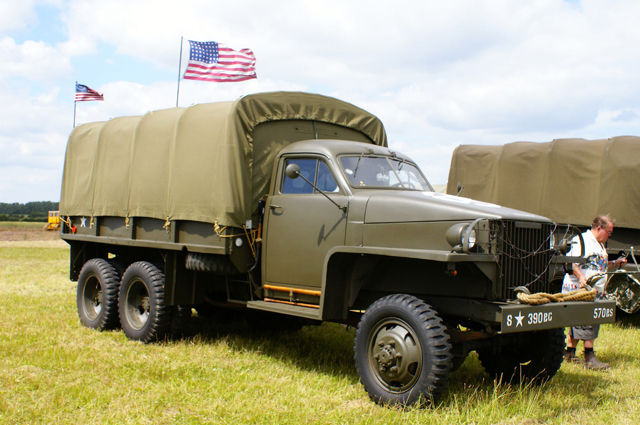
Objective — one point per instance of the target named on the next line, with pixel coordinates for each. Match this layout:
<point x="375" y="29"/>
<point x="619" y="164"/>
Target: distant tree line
<point x="31" y="211"/>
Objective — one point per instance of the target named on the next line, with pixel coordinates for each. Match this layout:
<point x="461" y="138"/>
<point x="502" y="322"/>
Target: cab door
<point x="302" y="225"/>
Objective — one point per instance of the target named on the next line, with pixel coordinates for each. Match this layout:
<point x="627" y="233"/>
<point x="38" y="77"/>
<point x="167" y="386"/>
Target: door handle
<point x="274" y="207"/>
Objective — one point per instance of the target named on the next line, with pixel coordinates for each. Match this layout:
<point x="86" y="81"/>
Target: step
<point x="292" y="310"/>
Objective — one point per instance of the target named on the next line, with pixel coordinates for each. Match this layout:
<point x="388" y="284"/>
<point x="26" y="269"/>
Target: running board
<point x="291" y="310"/>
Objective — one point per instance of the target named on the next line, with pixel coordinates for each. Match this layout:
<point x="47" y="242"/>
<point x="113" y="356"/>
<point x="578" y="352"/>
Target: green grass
<point x="53" y="370"/>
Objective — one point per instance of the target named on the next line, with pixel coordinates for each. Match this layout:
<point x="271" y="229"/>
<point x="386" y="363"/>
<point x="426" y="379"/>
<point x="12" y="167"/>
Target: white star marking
<point x="519" y="318"/>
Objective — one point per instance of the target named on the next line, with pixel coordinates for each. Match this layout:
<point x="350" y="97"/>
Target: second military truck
<point x="291" y="207"/>
<point x="570" y="181"/>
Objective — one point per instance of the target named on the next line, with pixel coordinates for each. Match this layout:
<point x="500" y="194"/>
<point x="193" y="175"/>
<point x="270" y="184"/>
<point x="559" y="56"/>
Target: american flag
<point x="84" y="93"/>
<point x="211" y="61"/>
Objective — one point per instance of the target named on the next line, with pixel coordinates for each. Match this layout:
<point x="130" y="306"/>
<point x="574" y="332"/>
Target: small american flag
<point x="211" y="61"/>
<point x="84" y="93"/>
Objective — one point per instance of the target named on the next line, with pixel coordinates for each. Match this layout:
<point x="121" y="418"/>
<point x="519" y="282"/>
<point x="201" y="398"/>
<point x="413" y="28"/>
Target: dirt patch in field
<point x="28" y="234"/>
<point x="29" y="237"/>
<point x="34" y="244"/>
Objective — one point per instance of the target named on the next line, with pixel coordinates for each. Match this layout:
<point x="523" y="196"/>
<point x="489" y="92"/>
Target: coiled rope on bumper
<point x="540" y="298"/>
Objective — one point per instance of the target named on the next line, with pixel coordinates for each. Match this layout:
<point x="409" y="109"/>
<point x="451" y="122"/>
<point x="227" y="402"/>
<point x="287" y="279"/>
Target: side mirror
<point x="292" y="171"/>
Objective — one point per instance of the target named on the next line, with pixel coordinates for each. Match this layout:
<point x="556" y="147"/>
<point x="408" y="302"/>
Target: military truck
<point x="570" y="181"/>
<point x="291" y="209"/>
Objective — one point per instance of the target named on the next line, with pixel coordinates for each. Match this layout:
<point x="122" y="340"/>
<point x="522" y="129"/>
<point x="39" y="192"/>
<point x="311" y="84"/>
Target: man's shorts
<point x="584" y="332"/>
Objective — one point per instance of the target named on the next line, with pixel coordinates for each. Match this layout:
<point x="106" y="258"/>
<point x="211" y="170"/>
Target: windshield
<point x="383" y="171"/>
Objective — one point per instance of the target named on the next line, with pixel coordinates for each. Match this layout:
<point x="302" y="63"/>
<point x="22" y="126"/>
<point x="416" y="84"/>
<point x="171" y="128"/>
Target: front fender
<point x="343" y="272"/>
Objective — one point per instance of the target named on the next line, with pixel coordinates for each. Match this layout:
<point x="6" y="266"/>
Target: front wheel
<point x="402" y="351"/>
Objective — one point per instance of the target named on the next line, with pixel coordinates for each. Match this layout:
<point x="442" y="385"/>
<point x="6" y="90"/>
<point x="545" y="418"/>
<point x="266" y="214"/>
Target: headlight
<point x="454" y="235"/>
<point x="462" y="236"/>
<point x="471" y="239"/>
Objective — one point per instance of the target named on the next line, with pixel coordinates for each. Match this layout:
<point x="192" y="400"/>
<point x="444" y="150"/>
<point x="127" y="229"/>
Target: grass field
<point x="53" y="370"/>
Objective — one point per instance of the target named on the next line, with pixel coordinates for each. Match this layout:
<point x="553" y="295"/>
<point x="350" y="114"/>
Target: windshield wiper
<point x="395" y="172"/>
<point x="357" y="165"/>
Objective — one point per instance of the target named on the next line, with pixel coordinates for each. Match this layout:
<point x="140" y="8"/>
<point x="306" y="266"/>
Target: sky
<point x="439" y="74"/>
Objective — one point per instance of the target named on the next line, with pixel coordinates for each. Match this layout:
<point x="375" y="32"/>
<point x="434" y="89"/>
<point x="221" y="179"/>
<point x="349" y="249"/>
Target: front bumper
<point x="524" y="318"/>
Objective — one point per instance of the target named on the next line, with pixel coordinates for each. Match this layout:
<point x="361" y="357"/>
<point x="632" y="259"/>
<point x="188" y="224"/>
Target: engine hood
<point x="410" y="206"/>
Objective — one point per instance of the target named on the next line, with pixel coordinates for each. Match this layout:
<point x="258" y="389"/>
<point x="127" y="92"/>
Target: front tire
<point x="532" y="357"/>
<point x="402" y="351"/>
<point x="143" y="315"/>
<point x="97" y="295"/>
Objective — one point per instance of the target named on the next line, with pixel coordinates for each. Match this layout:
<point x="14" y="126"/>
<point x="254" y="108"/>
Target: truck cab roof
<point x="331" y="148"/>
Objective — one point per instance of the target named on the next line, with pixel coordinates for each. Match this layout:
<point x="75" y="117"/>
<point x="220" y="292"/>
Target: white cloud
<point x="16" y="15"/>
<point x="22" y="113"/>
<point x="31" y="166"/>
<point x="78" y="45"/>
<point x="34" y="60"/>
<point x="27" y="184"/>
<point x="626" y="117"/>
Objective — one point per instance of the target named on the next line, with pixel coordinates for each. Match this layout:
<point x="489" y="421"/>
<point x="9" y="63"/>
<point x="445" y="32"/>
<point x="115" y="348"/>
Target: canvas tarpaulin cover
<point x="194" y="163"/>
<point x="566" y="180"/>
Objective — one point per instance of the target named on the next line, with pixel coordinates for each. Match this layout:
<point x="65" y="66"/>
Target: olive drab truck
<point x="292" y="209"/>
<point x="570" y="181"/>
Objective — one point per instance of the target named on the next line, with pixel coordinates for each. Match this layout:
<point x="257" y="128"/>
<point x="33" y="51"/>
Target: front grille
<point x="524" y="256"/>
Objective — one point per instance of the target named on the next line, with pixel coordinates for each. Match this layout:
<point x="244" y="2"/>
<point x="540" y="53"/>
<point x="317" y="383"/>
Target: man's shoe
<point x="571" y="357"/>
<point x="592" y="362"/>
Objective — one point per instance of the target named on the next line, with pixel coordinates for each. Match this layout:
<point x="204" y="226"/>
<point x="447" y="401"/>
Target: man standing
<point x="597" y="262"/>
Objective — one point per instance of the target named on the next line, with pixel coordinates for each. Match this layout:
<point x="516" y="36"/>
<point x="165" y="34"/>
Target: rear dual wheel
<point x="97" y="295"/>
<point x="143" y="313"/>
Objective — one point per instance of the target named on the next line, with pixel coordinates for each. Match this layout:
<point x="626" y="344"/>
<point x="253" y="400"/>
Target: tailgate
<point x="523" y="317"/>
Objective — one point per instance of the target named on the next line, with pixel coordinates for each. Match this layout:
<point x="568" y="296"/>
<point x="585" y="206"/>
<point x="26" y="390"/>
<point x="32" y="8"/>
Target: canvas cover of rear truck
<point x="567" y="180"/>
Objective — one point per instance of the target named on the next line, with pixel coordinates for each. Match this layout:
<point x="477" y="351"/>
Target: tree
<point x="31" y="211"/>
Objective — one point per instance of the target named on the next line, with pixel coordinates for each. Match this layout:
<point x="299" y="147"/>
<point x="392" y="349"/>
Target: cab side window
<point x="315" y="171"/>
<point x="299" y="186"/>
<point x="325" y="180"/>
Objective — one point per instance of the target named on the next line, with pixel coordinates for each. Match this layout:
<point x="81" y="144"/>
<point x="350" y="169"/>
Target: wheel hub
<point x="387" y="357"/>
<point x="395" y="356"/>
<point x="92" y="298"/>
<point x="97" y="300"/>
<point x="138" y="305"/>
<point x="145" y="304"/>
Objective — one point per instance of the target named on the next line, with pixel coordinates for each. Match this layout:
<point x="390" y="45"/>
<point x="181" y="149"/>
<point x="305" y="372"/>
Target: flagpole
<point x="75" y="102"/>
<point x="179" y="69"/>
